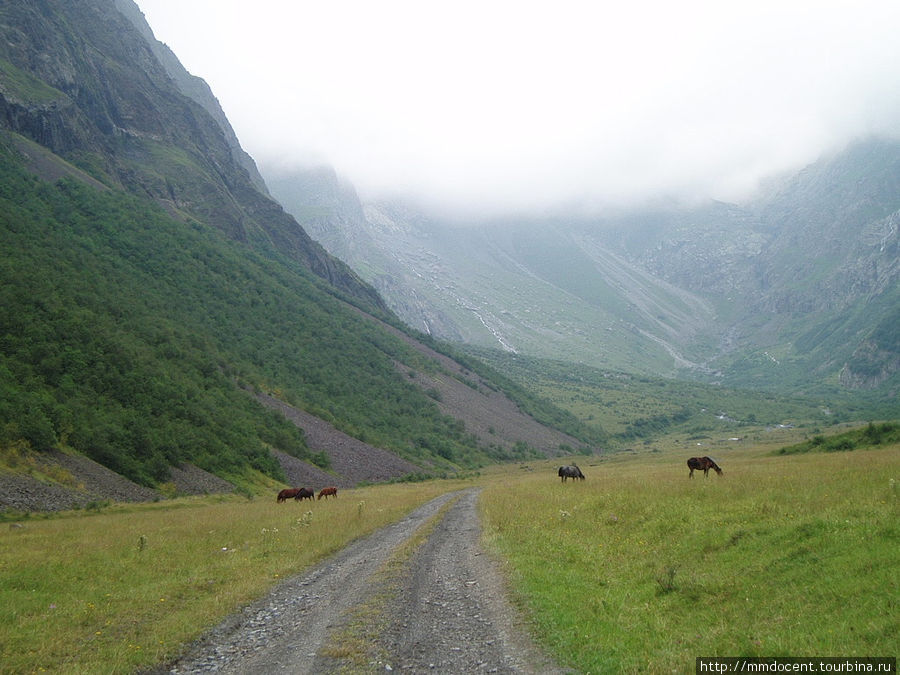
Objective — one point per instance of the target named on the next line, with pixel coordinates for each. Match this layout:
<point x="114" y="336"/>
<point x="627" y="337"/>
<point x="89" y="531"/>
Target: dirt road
<point x="417" y="596"/>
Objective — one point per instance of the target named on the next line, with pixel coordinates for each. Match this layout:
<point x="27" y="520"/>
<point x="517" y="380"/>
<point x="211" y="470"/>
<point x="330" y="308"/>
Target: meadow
<point x="127" y="587"/>
<point x="640" y="569"/>
<point x="636" y="569"/>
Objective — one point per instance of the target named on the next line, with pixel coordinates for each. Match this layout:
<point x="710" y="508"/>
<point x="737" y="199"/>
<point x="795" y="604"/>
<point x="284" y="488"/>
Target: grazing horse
<point x="571" y="471"/>
<point x="325" y="492"/>
<point x="704" y="463"/>
<point x="288" y="493"/>
<point x="305" y="493"/>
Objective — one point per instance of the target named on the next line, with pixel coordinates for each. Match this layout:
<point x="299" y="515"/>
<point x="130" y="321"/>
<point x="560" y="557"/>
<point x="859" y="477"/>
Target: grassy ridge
<point x="873" y="435"/>
<point x="127" y="588"/>
<point x="639" y="569"/>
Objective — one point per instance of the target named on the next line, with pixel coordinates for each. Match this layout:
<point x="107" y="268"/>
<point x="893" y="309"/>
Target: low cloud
<point x="499" y="106"/>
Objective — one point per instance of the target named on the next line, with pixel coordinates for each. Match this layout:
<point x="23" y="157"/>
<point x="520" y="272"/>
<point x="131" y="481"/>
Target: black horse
<point x="704" y="463"/>
<point x="571" y="471"/>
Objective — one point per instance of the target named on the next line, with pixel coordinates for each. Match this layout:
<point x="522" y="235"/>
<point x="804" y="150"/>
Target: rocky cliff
<point x="87" y="81"/>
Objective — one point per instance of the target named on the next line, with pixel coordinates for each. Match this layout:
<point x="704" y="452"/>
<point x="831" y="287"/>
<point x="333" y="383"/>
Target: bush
<point x="873" y="435"/>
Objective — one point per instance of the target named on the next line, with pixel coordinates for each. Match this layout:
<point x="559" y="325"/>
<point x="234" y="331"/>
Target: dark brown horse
<point x="329" y="491"/>
<point x="305" y="493"/>
<point x="288" y="493"/>
<point x="571" y="471"/>
<point x="296" y="493"/>
<point x="704" y="463"/>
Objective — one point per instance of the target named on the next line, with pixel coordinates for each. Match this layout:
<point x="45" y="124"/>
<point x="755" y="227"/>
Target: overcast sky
<point x="527" y="104"/>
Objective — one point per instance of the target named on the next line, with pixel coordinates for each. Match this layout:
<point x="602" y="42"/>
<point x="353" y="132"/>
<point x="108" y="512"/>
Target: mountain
<point x="193" y="87"/>
<point x="813" y="294"/>
<point x="795" y="290"/>
<point x="84" y="82"/>
<point x="840" y="218"/>
<point x="165" y="321"/>
<point x="528" y="287"/>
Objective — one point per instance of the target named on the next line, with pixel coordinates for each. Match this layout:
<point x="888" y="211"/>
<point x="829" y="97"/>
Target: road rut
<point x="442" y="608"/>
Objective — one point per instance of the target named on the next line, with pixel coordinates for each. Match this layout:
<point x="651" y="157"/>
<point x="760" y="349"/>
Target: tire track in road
<point x="448" y="613"/>
<point x="452" y="614"/>
<point x="282" y="632"/>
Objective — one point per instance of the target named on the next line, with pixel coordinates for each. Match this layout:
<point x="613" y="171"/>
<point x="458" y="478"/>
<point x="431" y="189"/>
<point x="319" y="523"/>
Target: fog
<point x="497" y="106"/>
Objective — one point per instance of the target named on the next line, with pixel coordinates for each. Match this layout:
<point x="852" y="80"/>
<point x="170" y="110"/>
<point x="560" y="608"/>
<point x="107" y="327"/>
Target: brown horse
<point x="704" y="463"/>
<point x="305" y="493"/>
<point x="325" y="492"/>
<point x="296" y="493"/>
<point x="288" y="493"/>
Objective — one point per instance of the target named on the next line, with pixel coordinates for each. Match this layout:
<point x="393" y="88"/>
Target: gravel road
<point x="378" y="606"/>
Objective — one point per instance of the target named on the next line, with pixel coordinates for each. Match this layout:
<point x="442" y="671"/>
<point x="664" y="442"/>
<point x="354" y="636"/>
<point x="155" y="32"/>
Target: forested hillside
<point x="153" y="299"/>
<point x="136" y="339"/>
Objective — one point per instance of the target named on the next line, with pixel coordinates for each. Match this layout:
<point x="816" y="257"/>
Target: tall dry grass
<point x="126" y="588"/>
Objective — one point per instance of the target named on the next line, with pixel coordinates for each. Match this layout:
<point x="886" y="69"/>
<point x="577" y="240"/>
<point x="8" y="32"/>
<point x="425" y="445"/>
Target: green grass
<point x="872" y="435"/>
<point x="639" y="569"/>
<point x="25" y="86"/>
<point x="631" y="408"/>
<point x="127" y="588"/>
<point x="636" y="569"/>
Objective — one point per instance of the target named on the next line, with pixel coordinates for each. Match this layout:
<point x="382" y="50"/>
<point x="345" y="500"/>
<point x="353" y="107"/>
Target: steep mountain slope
<point x="164" y="318"/>
<point x="815" y="295"/>
<point x="193" y="87"/>
<point x="536" y="287"/>
<point x="840" y="220"/>
<point x="794" y="290"/>
<point x="81" y="80"/>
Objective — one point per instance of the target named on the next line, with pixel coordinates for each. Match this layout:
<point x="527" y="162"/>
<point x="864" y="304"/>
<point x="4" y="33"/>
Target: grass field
<point x="640" y="569"/>
<point x="635" y="569"/>
<point x="113" y="591"/>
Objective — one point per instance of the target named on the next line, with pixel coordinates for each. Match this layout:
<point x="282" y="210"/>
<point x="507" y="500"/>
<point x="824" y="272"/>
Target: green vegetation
<point x="635" y="569"/>
<point x="137" y="583"/>
<point x="25" y="86"/>
<point x="138" y="340"/>
<point x="867" y="349"/>
<point x="633" y="408"/>
<point x="872" y="436"/>
<point x="639" y="569"/>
